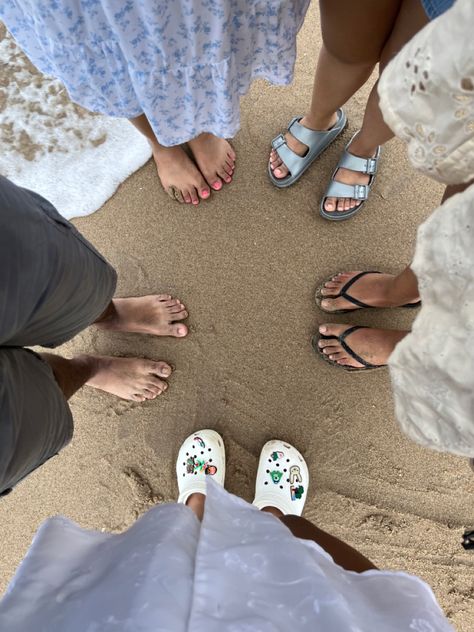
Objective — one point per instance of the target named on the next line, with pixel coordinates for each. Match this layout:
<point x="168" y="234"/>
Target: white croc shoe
<point x="282" y="478"/>
<point x="202" y="454"/>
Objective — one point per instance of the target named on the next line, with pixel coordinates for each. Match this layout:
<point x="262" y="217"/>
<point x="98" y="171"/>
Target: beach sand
<point x="246" y="264"/>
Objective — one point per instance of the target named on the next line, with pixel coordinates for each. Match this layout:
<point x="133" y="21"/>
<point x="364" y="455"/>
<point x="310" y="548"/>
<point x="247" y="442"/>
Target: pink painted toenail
<point x="217" y="186"/>
<point x="205" y="193"/>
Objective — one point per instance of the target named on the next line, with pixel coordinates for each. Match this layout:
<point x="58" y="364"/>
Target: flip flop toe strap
<point x="351" y="352"/>
<point x="343" y="293"/>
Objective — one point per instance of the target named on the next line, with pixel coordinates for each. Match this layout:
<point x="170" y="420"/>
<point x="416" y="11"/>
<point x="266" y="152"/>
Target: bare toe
<point x="281" y="172"/>
<point x="161" y="369"/>
<point x="330" y="205"/>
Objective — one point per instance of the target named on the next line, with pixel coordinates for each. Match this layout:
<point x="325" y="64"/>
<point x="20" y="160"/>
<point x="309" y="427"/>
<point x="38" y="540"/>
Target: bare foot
<point x="347" y="176"/>
<point x="215" y="158"/>
<point x="372" y="345"/>
<point x="373" y="289"/>
<point x="135" y="379"/>
<point x="156" y="314"/>
<point x="180" y="177"/>
<point x="280" y="170"/>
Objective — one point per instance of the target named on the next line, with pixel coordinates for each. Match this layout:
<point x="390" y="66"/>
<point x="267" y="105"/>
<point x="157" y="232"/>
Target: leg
<point x="197" y="502"/>
<point x="179" y="176"/>
<point x="342" y="554"/>
<point x="157" y="315"/>
<point x="134" y="379"/>
<point x="374" y="132"/>
<point x="354" y="34"/>
<point x="453" y="189"/>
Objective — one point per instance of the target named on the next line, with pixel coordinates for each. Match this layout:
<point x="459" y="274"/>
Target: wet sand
<point x="246" y="263"/>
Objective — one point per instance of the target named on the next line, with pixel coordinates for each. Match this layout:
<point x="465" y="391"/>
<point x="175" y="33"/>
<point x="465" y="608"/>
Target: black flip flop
<point x="343" y="294"/>
<point x="342" y="340"/>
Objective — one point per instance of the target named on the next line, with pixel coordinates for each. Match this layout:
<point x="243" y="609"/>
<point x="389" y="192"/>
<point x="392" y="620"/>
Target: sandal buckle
<point x="278" y="141"/>
<point x="360" y="192"/>
<point x="371" y="166"/>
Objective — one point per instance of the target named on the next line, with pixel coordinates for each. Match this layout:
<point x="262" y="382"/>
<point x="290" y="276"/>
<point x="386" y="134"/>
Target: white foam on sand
<point x="73" y="158"/>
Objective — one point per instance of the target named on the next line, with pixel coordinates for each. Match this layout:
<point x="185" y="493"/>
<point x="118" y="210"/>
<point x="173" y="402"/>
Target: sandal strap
<point x="351" y="352"/>
<point x="343" y="293"/>
<point x="342" y="190"/>
<point x="309" y="137"/>
<point x="362" y="165"/>
<point x="290" y="159"/>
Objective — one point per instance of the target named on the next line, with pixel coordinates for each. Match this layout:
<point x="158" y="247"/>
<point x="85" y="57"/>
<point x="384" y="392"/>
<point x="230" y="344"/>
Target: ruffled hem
<point x="181" y="96"/>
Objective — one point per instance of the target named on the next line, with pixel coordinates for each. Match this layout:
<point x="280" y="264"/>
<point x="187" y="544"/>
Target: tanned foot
<point x="156" y="314"/>
<point x="373" y="345"/>
<point x="280" y="170"/>
<point x="215" y="158"/>
<point x="372" y="289"/>
<point x="134" y="379"/>
<point x="180" y="177"/>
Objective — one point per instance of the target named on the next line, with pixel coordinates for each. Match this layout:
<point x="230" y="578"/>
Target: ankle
<point x="88" y="365"/>
<point x="360" y="147"/>
<point x="197" y="502"/>
<point x="396" y="294"/>
<point x="319" y="122"/>
<point x="274" y="511"/>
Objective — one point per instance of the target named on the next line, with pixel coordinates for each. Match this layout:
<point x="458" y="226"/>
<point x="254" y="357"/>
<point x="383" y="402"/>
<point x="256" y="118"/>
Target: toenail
<point x="323" y="329"/>
<point x="205" y="193"/>
<point x="166" y="370"/>
<point x="216" y="186"/>
<point x="321" y="344"/>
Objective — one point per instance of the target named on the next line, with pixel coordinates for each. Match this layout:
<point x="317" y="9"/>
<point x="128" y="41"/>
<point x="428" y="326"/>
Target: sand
<point x="246" y="264"/>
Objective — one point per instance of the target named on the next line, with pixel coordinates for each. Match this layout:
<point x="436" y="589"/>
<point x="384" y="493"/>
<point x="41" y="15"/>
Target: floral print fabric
<point x="183" y="63"/>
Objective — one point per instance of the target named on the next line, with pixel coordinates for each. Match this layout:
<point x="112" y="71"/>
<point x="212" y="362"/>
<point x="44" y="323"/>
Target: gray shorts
<point x="53" y="284"/>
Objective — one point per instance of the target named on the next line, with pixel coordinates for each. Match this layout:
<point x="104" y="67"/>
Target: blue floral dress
<point x="184" y="63"/>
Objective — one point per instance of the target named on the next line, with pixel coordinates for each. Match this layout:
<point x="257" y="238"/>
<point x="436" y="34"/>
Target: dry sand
<point x="246" y="264"/>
